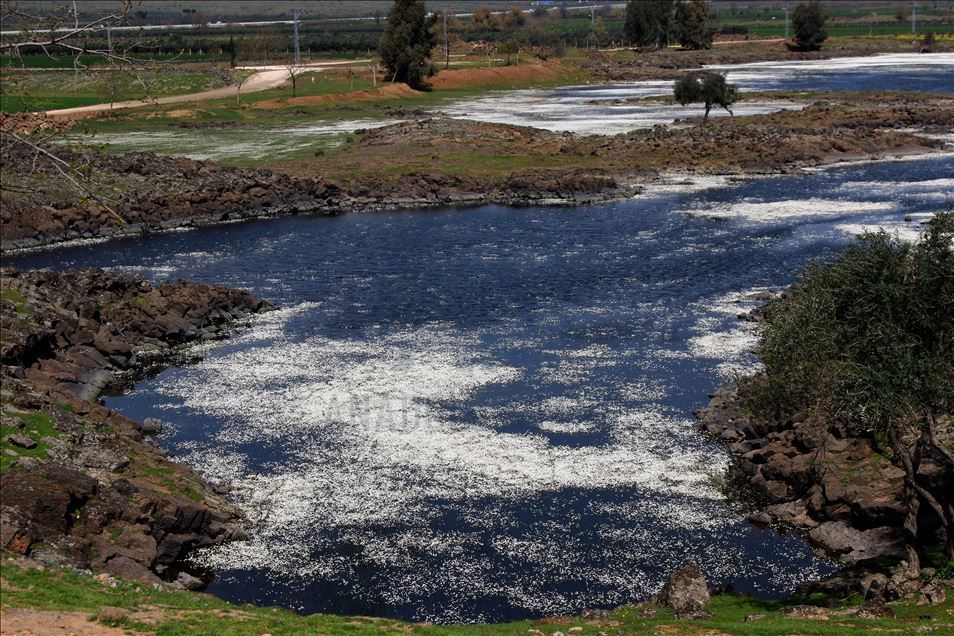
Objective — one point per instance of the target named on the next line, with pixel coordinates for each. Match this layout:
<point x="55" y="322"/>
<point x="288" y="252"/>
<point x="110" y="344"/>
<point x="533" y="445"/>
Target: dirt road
<point x="264" y="78"/>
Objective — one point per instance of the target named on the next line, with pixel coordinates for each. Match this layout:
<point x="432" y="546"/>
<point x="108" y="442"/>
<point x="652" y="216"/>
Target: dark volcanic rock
<point x="96" y="493"/>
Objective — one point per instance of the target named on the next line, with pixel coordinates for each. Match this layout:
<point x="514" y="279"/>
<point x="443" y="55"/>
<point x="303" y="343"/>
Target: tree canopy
<point x="407" y="41"/>
<point x="648" y="22"/>
<point x="808" y="21"/>
<point x="692" y="24"/>
<point x="706" y="87"/>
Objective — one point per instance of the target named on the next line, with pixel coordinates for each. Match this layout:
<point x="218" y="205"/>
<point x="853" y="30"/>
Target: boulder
<point x="810" y="612"/>
<point x="189" y="582"/>
<point x="22" y="441"/>
<point x="686" y="592"/>
<point x="852" y="545"/>
<point x="125" y="567"/>
<point x="904" y="582"/>
<point x="151" y="426"/>
<point x="874" y="608"/>
<point x="932" y="594"/>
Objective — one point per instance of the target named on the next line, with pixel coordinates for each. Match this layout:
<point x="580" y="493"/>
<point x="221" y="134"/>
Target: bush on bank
<point x="867" y="341"/>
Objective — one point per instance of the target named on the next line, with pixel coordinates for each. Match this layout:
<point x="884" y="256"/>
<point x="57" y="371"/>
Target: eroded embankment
<point x="82" y="484"/>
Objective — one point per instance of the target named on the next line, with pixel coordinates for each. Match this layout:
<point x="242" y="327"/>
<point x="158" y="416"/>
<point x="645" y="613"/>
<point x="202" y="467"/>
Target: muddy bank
<point x="81" y="484"/>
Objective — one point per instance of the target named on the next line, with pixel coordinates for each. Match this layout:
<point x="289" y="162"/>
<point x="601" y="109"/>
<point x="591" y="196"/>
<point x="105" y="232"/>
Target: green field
<point x="45" y="90"/>
<point x="146" y="610"/>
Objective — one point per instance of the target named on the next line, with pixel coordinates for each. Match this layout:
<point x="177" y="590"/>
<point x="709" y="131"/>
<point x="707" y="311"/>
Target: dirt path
<point x="30" y="622"/>
<point x="265" y="78"/>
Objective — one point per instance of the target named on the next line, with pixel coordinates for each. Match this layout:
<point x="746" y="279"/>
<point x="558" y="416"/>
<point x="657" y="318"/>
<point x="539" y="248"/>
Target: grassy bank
<point x="136" y="607"/>
<point x="47" y="90"/>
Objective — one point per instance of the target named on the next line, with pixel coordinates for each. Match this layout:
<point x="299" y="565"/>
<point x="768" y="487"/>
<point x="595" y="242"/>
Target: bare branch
<point x="64" y="168"/>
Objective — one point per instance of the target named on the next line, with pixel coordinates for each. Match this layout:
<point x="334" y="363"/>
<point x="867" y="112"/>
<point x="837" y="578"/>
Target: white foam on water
<point x="368" y="436"/>
<point x="587" y="116"/>
<point x="773" y="211"/>
<point x="676" y="183"/>
<point x="904" y="231"/>
<point x="234" y="142"/>
<point x="884" y="60"/>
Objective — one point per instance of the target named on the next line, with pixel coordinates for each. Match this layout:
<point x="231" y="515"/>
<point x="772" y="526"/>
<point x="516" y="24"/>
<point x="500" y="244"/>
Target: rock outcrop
<point x="90" y="489"/>
<point x="813" y="476"/>
<point x="686" y="592"/>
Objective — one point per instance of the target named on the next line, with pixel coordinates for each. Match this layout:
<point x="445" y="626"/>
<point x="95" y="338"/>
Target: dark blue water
<point x="932" y="73"/>
<point x="485" y="414"/>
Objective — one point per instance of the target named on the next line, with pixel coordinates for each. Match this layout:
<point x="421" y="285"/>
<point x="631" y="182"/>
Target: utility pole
<point x="446" y="41"/>
<point x="914" y="16"/>
<point x="297" y="48"/>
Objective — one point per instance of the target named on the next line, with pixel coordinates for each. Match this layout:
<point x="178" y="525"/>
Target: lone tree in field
<point x="648" y="22"/>
<point x="808" y="20"/>
<point x="709" y="88"/>
<point x="692" y="24"/>
<point x="407" y="41"/>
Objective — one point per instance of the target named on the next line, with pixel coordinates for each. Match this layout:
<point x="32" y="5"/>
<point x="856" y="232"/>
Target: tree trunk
<point x="910" y="461"/>
<point x="705" y="118"/>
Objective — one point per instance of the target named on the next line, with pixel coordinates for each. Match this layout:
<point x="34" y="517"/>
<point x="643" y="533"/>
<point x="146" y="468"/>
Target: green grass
<point x="38" y="426"/>
<point x="163" y="475"/>
<point x="16" y="297"/>
<point x="190" y="613"/>
<point x="65" y="89"/>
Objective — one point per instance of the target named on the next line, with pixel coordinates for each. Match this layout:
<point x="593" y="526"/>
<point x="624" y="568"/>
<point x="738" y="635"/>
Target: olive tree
<point x="648" y="22"/>
<point x="706" y="87"/>
<point x="867" y="342"/>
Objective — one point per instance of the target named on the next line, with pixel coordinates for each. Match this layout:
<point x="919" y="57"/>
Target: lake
<point x="485" y="414"/>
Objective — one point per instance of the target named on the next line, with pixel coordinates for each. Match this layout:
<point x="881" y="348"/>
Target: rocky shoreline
<point x="812" y="475"/>
<point x="81" y="484"/>
<point x="382" y="169"/>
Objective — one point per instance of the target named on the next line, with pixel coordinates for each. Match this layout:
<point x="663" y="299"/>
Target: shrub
<point x="648" y="22"/>
<point x="692" y="24"/>
<point x="867" y="341"/>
